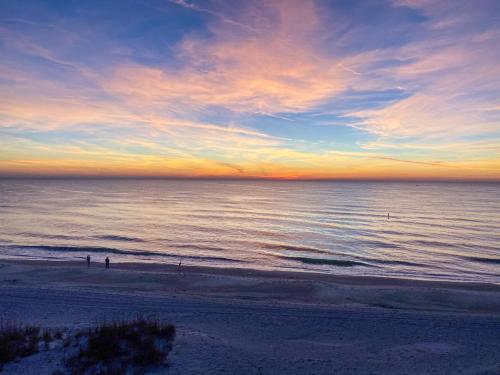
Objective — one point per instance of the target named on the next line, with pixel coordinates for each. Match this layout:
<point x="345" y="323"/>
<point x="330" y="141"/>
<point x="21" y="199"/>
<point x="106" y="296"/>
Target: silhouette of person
<point x="88" y="260"/>
<point x="107" y="262"/>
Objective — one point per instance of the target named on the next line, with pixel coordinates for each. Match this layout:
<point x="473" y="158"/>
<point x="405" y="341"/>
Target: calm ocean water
<point x="445" y="231"/>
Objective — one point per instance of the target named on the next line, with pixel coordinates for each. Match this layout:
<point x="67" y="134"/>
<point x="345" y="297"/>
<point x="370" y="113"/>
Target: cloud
<point x="276" y="70"/>
<point x="219" y="15"/>
<point x="452" y="79"/>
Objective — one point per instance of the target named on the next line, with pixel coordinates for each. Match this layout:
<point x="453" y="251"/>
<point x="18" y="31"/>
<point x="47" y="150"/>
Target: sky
<point x="286" y="89"/>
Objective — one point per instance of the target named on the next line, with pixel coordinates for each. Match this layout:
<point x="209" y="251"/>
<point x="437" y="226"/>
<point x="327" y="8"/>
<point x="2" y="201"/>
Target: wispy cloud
<point x="220" y="15"/>
<point x="274" y="71"/>
<point x="453" y="76"/>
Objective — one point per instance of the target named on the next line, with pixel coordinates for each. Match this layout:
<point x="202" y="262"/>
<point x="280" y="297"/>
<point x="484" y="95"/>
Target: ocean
<point x="434" y="231"/>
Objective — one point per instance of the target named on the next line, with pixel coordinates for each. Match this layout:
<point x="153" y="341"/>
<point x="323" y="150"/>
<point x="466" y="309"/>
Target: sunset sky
<point x="397" y="89"/>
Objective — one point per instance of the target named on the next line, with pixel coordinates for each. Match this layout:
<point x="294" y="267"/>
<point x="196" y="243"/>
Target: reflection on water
<point x="435" y="230"/>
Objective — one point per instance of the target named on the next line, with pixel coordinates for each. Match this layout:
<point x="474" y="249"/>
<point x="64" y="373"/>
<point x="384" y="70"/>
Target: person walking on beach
<point x="107" y="262"/>
<point x="88" y="260"/>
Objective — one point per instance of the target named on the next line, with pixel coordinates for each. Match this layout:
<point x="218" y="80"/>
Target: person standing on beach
<point x="88" y="260"/>
<point x="107" y="262"/>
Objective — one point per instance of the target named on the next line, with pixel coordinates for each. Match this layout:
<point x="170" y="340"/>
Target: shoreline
<point x="254" y="285"/>
<point x="270" y="274"/>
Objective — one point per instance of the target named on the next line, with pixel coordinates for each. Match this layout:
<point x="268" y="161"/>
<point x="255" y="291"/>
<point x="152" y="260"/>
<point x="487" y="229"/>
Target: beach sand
<point x="234" y="321"/>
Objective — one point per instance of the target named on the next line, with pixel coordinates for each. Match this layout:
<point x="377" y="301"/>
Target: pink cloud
<point x="275" y="70"/>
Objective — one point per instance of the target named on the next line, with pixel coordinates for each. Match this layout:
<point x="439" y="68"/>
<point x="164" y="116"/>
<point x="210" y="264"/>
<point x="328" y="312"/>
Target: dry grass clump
<point x="123" y="347"/>
<point x="17" y="341"/>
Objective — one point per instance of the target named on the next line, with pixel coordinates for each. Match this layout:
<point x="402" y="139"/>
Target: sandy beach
<point x="235" y="321"/>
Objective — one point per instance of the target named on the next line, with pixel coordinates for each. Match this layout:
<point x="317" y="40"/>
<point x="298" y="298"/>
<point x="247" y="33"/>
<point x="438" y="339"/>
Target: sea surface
<point x="447" y="231"/>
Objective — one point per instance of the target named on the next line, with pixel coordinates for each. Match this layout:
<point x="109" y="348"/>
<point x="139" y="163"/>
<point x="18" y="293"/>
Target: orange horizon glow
<point x="210" y="170"/>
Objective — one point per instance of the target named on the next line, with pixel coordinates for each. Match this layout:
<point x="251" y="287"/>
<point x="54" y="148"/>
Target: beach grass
<point x="123" y="346"/>
<point x="17" y="341"/>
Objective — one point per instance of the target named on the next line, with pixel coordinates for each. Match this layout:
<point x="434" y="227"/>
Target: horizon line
<point x="242" y="178"/>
